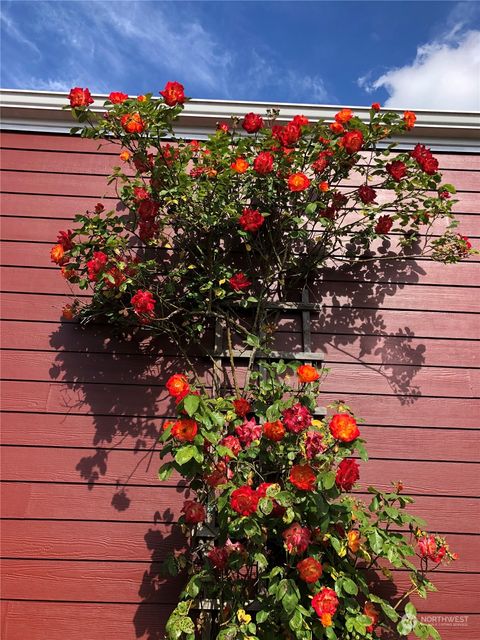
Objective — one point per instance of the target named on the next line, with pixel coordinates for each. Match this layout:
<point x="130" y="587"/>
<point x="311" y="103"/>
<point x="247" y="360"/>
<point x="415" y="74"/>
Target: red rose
<point x="240" y="165"/>
<point x="344" y="116"/>
<point x="263" y="163"/>
<point x="325" y="603"/>
<point x="140" y="193"/>
<point x="370" y="610"/>
<point x="344" y="427"/>
<point x="117" y="97"/>
<point x="321" y="163"/>
<point x="80" y="97"/>
<point x="114" y="277"/>
<point x="223" y="126"/>
<point x="239" y="282"/>
<point x="99" y="208"/>
<point x="313" y="444"/>
<point x="218" y="556"/>
<point x="376" y="106"/>
<point x="248" y="432"/>
<point x="468" y="244"/>
<point x="397" y="169"/>
<point x="300" y="121"/>
<point x="64" y="238"/>
<point x="274" y="431"/>
<point x="194" y="512"/>
<point x="241" y="406"/>
<point x="252" y="123"/>
<point x="251" y="220"/>
<point x="298" y="182"/>
<point x="132" y="123"/>
<point x="147" y="229"/>
<point x="303" y="477"/>
<point x="352" y="141"/>
<point x="296" y="538"/>
<point x="348" y="473"/>
<point x="297" y="418"/>
<point x="306" y="373"/>
<point x="232" y="443"/>
<point x="148" y="209"/>
<point x="309" y="569"/>
<point x="185" y="430"/>
<point x="219" y="475"/>
<point x="444" y="195"/>
<point x="143" y="303"/>
<point x="409" y="118"/>
<point x="173" y="94"/>
<point x="430" y="165"/>
<point x="244" y="501"/>
<point x="432" y="548"/>
<point x="366" y="194"/>
<point x="96" y="265"/>
<point x="177" y="385"/>
<point x="384" y="224"/>
<point x="287" y="135"/>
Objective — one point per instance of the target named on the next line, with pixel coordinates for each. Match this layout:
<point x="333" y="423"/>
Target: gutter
<point x="41" y="111"/>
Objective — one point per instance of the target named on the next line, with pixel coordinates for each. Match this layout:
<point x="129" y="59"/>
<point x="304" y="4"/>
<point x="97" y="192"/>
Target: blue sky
<point x="403" y="54"/>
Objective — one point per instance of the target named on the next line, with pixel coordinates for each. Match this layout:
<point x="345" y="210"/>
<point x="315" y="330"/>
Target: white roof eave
<point x="41" y="111"/>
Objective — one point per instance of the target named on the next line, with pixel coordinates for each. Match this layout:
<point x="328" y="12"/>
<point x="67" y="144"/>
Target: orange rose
<point x="177" y="385"/>
<point x="323" y="186"/>
<point x="125" y="156"/>
<point x="185" y="430"/>
<point x="132" y="123"/>
<point x="309" y="569"/>
<point x="303" y="477"/>
<point x="343" y="427"/>
<point x="240" y="165"/>
<point x="274" y="431"/>
<point x="343" y="116"/>
<point x="370" y="610"/>
<point x="353" y="538"/>
<point x="336" y="127"/>
<point x="57" y="254"/>
<point x="298" y="182"/>
<point x="67" y="312"/>
<point x="409" y="118"/>
<point x="307" y="373"/>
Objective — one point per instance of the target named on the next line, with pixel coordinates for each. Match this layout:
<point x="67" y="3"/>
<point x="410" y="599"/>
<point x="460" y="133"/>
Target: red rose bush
<point x="282" y="486"/>
<point x="284" y="540"/>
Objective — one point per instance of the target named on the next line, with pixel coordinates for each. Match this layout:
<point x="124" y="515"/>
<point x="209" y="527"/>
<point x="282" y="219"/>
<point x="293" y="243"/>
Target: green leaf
<point x="165" y="471"/>
<point x="185" y="454"/>
<point x="186" y="624"/>
<point x="349" y="586"/>
<point x="262" y="616"/>
<point x="328" y="480"/>
<point x="410" y="609"/>
<point x="191" y="404"/>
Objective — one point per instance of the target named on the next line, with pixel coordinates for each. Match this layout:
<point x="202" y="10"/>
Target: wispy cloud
<point x="134" y="45"/>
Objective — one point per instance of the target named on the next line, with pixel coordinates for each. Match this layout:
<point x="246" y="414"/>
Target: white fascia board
<point x="41" y="111"/>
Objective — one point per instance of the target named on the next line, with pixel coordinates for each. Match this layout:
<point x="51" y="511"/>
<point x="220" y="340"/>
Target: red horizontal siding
<point x="82" y="410"/>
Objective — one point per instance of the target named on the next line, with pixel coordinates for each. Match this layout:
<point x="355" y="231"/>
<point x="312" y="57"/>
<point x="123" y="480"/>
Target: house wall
<point x="86" y="523"/>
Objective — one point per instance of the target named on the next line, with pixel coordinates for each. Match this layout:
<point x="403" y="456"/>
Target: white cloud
<point x="444" y="75"/>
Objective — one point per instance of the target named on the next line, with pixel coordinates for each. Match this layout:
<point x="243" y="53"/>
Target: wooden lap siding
<point x="81" y="411"/>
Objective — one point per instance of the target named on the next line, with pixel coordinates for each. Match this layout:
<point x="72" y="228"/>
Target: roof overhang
<point x="41" y="111"/>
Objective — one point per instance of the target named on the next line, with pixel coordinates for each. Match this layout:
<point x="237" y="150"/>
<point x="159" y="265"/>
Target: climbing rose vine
<point x="283" y="540"/>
